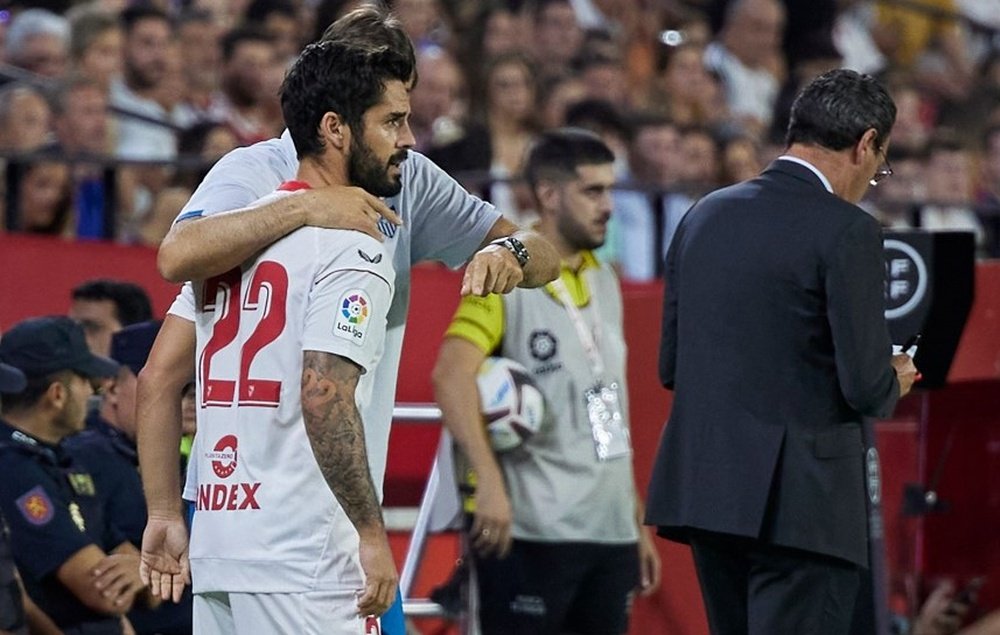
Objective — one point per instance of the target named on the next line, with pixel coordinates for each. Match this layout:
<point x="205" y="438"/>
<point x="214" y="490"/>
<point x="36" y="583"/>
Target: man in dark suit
<point x="775" y="342"/>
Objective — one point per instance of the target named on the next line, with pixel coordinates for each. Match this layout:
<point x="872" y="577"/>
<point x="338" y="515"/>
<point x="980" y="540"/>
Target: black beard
<point x="367" y="172"/>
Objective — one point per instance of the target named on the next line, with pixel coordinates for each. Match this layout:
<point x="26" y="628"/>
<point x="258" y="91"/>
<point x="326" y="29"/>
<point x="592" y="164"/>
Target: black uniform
<point x="53" y="509"/>
<point x="111" y="458"/>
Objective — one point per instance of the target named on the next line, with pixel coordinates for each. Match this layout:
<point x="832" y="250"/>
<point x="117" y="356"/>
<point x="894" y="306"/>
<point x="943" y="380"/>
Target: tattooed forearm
<point x="337" y="435"/>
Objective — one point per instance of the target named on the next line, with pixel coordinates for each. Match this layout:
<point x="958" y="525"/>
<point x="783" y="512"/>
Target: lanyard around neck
<point x="583" y="332"/>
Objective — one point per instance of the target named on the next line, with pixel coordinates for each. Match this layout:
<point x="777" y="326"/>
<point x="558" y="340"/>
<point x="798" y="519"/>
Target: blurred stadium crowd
<point x="111" y="111"/>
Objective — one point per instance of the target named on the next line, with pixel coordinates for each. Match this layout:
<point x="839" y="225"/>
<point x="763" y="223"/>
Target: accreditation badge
<point x="604" y="410"/>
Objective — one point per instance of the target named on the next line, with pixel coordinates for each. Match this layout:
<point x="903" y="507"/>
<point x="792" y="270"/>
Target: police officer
<point x="77" y="567"/>
<point x="107" y="450"/>
<point x="12" y="613"/>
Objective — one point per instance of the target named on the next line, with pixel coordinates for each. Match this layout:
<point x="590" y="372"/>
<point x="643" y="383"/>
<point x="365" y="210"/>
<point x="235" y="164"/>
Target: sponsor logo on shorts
<point x="372" y="626"/>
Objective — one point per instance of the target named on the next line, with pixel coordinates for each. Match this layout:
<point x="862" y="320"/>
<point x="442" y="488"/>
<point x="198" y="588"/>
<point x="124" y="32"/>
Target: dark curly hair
<point x="332" y="76"/>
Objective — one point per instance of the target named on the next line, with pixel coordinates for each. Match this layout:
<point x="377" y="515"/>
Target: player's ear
<point x="547" y="193"/>
<point x="334" y="131"/>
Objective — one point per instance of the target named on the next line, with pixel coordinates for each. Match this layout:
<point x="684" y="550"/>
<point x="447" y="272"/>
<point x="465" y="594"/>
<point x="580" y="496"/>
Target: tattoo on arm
<point x="337" y="435"/>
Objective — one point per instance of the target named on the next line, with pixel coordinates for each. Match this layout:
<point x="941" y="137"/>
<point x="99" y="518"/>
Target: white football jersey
<point x="266" y="520"/>
<point x="441" y="221"/>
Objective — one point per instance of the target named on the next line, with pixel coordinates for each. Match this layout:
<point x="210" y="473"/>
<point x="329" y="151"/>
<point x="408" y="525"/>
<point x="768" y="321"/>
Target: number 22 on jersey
<point x="266" y="294"/>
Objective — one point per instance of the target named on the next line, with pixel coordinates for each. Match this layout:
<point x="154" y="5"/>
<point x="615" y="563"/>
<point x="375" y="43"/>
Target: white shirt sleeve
<point x="184" y="304"/>
<point x="350" y="298"/>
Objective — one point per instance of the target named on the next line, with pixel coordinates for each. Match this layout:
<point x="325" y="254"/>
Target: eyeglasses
<point x="883" y="172"/>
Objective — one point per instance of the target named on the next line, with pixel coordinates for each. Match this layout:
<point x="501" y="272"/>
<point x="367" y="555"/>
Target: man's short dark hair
<point x="640" y="121"/>
<point x="596" y="115"/>
<point x="331" y="76"/>
<point x="34" y="390"/>
<point x="135" y="14"/>
<point x="372" y="26"/>
<point x="131" y="301"/>
<point x="835" y="109"/>
<point x="241" y="35"/>
<point x="558" y="153"/>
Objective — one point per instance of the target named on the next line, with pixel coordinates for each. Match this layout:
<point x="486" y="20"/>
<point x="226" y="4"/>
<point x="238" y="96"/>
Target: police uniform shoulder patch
<point x="36" y="506"/>
<point x="82" y="484"/>
<point x="353" y="316"/>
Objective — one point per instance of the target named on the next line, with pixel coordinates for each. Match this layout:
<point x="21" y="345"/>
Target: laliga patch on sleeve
<point x="36" y="506"/>
<point x="353" y="316"/>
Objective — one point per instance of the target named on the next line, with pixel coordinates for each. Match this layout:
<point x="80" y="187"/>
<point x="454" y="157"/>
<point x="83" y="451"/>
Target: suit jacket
<point x="775" y="343"/>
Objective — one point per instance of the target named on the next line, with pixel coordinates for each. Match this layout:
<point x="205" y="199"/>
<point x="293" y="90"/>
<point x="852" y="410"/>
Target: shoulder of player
<point x="349" y="249"/>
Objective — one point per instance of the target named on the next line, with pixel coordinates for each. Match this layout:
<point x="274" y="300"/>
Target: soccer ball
<point x="512" y="406"/>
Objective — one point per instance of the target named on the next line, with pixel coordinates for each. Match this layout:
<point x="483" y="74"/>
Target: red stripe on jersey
<point x="294" y="186"/>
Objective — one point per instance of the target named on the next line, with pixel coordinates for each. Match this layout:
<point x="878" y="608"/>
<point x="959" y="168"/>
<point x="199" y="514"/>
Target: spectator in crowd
<point x="747" y="57"/>
<point x="654" y="153"/>
<point x="42" y="193"/>
<point x="107" y="450"/>
<point x="280" y="21"/>
<point x="437" y="102"/>
<point x="38" y="41"/>
<point x="558" y="546"/>
<point x="854" y="35"/>
<point x="697" y="175"/>
<point x="896" y="202"/>
<point x="915" y="122"/>
<point x="950" y="202"/>
<point x="930" y="44"/>
<point x="557" y="36"/>
<point x="198" y="37"/>
<point x="247" y="55"/>
<point x="972" y="116"/>
<point x="147" y="37"/>
<point x="25" y="118"/>
<point x="171" y="92"/>
<point x="81" y="125"/>
<point x="207" y="140"/>
<point x="103" y="307"/>
<point x="95" y="45"/>
<point x="556" y="94"/>
<point x="422" y="20"/>
<point x="495" y="30"/>
<point x="687" y="92"/>
<point x="601" y="68"/>
<point x="76" y="565"/>
<point x="699" y="162"/>
<point x="739" y="161"/>
<point x="497" y="140"/>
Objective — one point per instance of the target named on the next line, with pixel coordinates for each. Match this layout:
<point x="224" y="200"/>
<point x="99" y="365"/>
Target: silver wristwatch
<point x="514" y="246"/>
